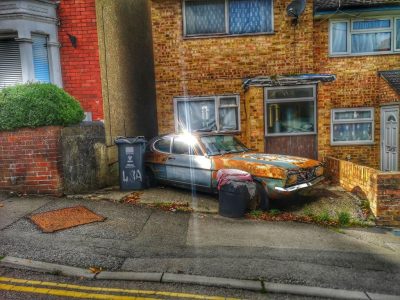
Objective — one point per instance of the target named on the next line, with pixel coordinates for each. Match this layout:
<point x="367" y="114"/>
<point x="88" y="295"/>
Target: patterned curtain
<point x="250" y="16"/>
<point x="205" y="17"/>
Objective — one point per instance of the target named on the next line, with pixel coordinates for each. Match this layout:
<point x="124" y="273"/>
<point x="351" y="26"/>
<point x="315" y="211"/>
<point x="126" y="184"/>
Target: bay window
<point x="366" y="36"/>
<point x="215" y="113"/>
<point x="216" y="17"/>
<point x="352" y="126"/>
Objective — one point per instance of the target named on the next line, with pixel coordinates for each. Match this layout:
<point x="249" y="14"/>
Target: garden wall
<point x="30" y="160"/>
<point x="381" y="189"/>
<point x="53" y="160"/>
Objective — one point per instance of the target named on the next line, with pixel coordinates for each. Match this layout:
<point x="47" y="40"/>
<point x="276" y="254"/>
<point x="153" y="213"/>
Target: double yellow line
<point x="85" y="292"/>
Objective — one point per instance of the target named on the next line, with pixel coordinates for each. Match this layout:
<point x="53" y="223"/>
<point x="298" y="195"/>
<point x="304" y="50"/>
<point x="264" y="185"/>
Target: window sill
<point x="361" y="55"/>
<point x="212" y="36"/>
<point x="353" y="144"/>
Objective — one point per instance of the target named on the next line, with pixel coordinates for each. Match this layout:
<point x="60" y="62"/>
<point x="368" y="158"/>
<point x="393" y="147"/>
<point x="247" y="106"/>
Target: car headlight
<point x="319" y="171"/>
<point x="291" y="179"/>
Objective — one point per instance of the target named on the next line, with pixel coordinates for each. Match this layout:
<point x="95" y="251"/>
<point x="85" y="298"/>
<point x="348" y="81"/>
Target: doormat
<point x="65" y="218"/>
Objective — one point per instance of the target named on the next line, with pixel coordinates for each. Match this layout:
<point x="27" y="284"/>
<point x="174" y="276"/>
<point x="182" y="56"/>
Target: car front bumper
<point x="299" y="186"/>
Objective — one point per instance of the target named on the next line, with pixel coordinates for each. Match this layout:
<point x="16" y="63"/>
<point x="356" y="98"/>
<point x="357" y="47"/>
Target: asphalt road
<point x="148" y="240"/>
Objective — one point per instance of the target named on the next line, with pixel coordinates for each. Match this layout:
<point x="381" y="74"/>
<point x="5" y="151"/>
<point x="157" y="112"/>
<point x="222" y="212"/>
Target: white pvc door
<point x="390" y="138"/>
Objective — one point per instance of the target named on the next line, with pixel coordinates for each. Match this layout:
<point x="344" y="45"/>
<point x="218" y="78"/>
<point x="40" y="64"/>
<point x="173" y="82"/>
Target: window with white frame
<point x="352" y="126"/>
<point x="40" y="58"/>
<point x="290" y="110"/>
<point x="365" y="36"/>
<point x="10" y="62"/>
<point x="215" y="113"/>
<point x="215" y="17"/>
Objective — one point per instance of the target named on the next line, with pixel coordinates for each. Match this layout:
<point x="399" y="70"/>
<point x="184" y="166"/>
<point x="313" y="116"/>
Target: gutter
<point x="366" y="11"/>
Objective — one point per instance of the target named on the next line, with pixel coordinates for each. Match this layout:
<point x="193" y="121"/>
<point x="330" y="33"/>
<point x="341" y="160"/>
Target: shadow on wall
<point x="126" y="58"/>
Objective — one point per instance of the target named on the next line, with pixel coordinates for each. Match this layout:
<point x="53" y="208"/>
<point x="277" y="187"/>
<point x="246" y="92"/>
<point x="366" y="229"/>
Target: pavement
<point x="136" y="239"/>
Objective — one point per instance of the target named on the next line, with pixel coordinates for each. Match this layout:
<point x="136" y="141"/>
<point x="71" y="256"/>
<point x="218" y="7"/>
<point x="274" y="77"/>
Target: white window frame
<point x="300" y="99"/>
<point x="395" y="20"/>
<point x="226" y="33"/>
<point x="351" y="32"/>
<point x="217" y="100"/>
<point x="353" y="121"/>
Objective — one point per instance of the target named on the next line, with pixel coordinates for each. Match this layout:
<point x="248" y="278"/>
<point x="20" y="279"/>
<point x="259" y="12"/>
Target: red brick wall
<point x="30" y="160"/>
<point x="381" y="189"/>
<point x="80" y="65"/>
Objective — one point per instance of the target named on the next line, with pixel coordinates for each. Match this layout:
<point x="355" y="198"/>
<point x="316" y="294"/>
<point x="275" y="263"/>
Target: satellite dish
<point x="296" y="8"/>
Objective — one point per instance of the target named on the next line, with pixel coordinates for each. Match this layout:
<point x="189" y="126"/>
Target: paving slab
<point x="123" y="222"/>
<point x="164" y="228"/>
<point x="15" y="208"/>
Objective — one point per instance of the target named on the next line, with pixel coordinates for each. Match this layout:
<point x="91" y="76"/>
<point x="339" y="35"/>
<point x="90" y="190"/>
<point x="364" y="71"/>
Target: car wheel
<point x="263" y="197"/>
<point x="151" y="180"/>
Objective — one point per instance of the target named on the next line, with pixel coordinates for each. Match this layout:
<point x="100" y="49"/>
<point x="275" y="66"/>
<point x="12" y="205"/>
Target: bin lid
<point x="130" y="140"/>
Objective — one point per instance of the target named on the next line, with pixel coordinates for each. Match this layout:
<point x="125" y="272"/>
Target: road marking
<point x="97" y="289"/>
<point x="66" y="293"/>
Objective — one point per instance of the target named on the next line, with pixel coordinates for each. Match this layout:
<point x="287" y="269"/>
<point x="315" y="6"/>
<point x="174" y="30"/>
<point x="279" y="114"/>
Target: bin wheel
<point x="263" y="197"/>
<point x="151" y="180"/>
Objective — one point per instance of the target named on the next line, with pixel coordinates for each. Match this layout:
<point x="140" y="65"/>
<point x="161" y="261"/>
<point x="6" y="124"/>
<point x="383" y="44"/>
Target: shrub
<point x="37" y="104"/>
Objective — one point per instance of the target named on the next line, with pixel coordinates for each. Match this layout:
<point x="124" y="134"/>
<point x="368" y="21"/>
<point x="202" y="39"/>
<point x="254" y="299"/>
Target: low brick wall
<point x="381" y="189"/>
<point x="30" y="161"/>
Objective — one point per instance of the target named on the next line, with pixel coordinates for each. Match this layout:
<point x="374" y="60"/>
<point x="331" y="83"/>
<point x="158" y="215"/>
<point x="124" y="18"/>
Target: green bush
<point x="37" y="104"/>
<point x="344" y="218"/>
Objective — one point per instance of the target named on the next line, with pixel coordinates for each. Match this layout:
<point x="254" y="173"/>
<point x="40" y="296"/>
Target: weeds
<point x="274" y="212"/>
<point x="256" y="213"/>
<point x="344" y="218"/>
<point x="323" y="217"/>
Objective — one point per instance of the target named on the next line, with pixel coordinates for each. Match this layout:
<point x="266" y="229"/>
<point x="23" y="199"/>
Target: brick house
<point x="90" y="48"/>
<point x="235" y="66"/>
<point x="221" y="65"/>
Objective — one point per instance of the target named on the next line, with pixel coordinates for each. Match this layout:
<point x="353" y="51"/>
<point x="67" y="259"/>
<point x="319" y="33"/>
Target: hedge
<point x="37" y="104"/>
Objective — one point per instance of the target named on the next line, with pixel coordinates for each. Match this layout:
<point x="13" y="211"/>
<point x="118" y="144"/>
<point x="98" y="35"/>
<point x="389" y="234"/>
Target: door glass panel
<point x="391" y="119"/>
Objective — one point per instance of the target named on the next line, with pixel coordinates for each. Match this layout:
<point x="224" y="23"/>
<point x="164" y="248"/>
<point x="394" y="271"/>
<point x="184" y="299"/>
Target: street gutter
<point x="251" y="285"/>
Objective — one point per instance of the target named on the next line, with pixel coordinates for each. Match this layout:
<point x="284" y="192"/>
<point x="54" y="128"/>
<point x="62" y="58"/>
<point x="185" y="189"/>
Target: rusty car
<point x="192" y="160"/>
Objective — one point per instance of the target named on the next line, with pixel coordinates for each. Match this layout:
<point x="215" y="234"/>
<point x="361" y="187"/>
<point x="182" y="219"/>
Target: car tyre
<point x="263" y="197"/>
<point x="151" y="180"/>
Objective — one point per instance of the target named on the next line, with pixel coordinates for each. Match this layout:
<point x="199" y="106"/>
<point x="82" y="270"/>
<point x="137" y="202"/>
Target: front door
<point x="291" y="120"/>
<point x="390" y="138"/>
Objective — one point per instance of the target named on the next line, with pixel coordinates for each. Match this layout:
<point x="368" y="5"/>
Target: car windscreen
<point x="221" y="144"/>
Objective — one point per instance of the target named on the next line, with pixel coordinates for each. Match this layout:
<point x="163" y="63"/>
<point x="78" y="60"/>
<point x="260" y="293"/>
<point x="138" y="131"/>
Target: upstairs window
<point x="224" y="17"/>
<point x="366" y="36"/>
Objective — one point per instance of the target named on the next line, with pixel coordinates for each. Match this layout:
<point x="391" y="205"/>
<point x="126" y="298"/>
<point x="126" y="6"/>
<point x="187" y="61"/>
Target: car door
<point x="187" y="164"/>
